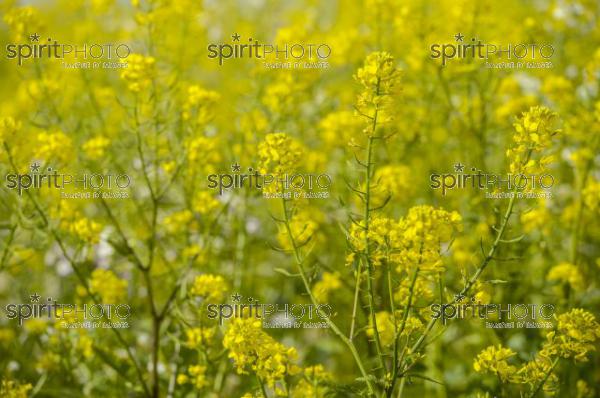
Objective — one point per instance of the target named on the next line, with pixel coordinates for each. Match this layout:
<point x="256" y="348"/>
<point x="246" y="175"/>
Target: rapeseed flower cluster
<point x="534" y="132"/>
<point x="254" y="350"/>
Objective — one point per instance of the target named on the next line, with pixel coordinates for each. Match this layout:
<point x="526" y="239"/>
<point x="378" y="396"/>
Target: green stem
<point x="355" y="305"/>
<point x="401" y="330"/>
<point x="539" y="387"/>
<point x="336" y="330"/>
<point x="262" y="387"/>
<point x="367" y="253"/>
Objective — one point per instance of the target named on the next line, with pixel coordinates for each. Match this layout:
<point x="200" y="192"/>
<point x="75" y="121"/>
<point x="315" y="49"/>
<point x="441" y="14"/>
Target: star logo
<point x="458" y="297"/>
<point x="236" y="297"/>
<point x="459" y="37"/>
<point x="236" y="167"/>
<point x="35" y="298"/>
<point x="459" y="168"/>
<point x="235" y="37"/>
<point x="35" y="167"/>
<point x="34" y="37"/>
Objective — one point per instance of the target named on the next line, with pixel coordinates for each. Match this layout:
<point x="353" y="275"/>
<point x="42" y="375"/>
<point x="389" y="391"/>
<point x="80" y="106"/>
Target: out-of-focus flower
<point x="202" y="153"/>
<point x="558" y="88"/>
<point x="194" y="252"/>
<point x="204" y="202"/>
<point x="339" y="128"/>
<point x="591" y="195"/>
<point x="108" y="286"/>
<point x="22" y="21"/>
<point x="85" y="229"/>
<point x="178" y="221"/>
<point x="211" y="287"/>
<point x="392" y="181"/>
<point x="199" y="104"/>
<point x="54" y="146"/>
<point x="303" y="225"/>
<point x="85" y="346"/>
<point x="584" y="390"/>
<point x="96" y="147"/>
<point x="495" y="360"/>
<point x="537" y="218"/>
<point x="139" y="72"/>
<point x="314" y="384"/>
<point x="8" y="127"/>
<point x="13" y="389"/>
<point x="567" y="273"/>
<point x="385" y="327"/>
<point x="199" y="337"/>
<point x="196" y="375"/>
<point x="329" y="282"/>
<point x="36" y="326"/>
<point x="483" y="293"/>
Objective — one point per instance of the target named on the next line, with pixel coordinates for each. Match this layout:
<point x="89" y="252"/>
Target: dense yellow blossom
<point x="139" y="72"/>
<point x="279" y="154"/>
<point x="422" y="231"/>
<point x="535" y="372"/>
<point x="495" y="360"/>
<point x="85" y="229"/>
<point x="107" y="285"/>
<point x="379" y="78"/>
<point x="202" y="149"/>
<point x="413" y="241"/>
<point x="211" y="287"/>
<point x="380" y="115"/>
<point x="575" y="336"/>
<point x="534" y="131"/>
<point x="253" y="350"/>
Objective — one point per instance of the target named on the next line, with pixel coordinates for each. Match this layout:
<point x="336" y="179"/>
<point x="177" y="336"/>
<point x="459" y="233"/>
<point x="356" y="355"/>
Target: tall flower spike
<point x="379" y="78"/>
